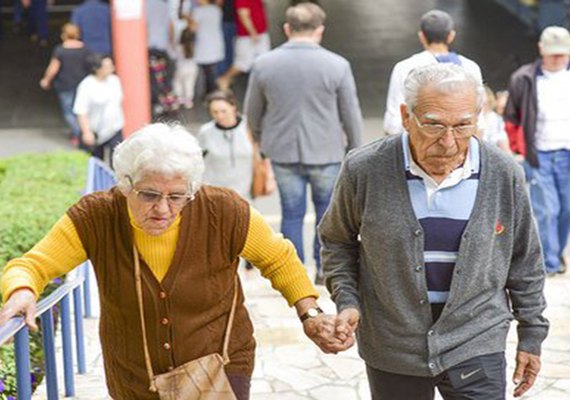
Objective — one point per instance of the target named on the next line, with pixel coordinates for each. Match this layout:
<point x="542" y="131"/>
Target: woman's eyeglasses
<point x="151" y="197"/>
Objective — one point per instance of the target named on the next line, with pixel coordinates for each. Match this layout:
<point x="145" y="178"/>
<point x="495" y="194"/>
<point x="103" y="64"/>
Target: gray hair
<point x="436" y="26"/>
<point x="161" y="148"/>
<point x="444" y="77"/>
<point x="305" y="17"/>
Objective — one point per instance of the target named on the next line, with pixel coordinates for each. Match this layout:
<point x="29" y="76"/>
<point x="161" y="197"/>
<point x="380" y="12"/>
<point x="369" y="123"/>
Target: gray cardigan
<point x="372" y="258"/>
<point x="301" y="101"/>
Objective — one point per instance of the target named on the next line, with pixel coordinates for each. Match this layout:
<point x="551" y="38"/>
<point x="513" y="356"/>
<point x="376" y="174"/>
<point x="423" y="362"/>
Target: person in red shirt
<point x="252" y="39"/>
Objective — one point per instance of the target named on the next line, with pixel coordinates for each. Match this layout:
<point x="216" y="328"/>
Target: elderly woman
<point x="187" y="239"/>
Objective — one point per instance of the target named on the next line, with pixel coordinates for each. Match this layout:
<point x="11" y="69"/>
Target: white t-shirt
<point x="209" y="47"/>
<point x="392" y="116"/>
<point x="553" y="117"/>
<point x="102" y="102"/>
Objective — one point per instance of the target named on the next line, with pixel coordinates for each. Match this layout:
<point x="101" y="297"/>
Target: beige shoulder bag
<point x="201" y="379"/>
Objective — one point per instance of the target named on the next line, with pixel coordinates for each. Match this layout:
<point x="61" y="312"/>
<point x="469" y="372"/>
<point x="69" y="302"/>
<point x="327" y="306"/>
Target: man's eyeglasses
<point x="438" y="130"/>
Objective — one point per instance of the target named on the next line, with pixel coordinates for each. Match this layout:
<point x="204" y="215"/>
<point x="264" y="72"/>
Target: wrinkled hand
<point x="321" y="330"/>
<point x="526" y="371"/>
<point x="347" y="323"/>
<point x="21" y="302"/>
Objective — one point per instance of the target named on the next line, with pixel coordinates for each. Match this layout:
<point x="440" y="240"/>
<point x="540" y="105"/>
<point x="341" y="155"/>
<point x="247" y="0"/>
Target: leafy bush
<point x="35" y="191"/>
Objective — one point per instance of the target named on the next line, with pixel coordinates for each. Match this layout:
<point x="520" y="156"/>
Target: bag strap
<point x="138" y="282"/>
<point x="148" y="363"/>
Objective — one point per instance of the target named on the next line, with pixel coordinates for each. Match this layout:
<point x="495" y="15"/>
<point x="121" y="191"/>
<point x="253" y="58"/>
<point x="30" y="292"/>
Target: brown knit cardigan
<point x="187" y="312"/>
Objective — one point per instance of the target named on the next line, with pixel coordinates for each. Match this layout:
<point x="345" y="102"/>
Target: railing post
<point x="66" y="344"/>
<point x="49" y="354"/>
<point x="87" y="289"/>
<point x="23" y="380"/>
<point x="79" y="338"/>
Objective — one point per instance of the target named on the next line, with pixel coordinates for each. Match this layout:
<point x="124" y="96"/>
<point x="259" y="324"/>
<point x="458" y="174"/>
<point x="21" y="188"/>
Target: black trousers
<point x="480" y="378"/>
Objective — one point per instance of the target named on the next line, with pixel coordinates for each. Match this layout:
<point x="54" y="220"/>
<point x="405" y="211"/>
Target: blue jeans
<point x="292" y="181"/>
<point x="66" y="98"/>
<point x="230" y="32"/>
<point x="550" y="198"/>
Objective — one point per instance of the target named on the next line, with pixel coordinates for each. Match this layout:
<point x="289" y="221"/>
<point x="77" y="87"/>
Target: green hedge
<point x="35" y="191"/>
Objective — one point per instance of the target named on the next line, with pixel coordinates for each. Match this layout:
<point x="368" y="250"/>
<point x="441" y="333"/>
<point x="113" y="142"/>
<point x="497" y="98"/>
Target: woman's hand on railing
<point x="21" y="302"/>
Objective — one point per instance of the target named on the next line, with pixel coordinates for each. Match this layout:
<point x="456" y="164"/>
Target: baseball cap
<point x="555" y="40"/>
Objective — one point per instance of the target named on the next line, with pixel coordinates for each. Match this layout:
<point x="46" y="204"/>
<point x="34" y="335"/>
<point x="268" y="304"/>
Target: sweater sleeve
<point x="277" y="260"/>
<point x="338" y="230"/>
<point x="56" y="254"/>
<point x="525" y="282"/>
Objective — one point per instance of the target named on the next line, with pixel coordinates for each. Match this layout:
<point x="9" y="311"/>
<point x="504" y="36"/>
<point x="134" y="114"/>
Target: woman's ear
<point x="405" y="116"/>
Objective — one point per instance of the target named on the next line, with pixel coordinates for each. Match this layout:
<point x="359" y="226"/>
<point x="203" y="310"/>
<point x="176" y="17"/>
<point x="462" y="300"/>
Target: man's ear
<point x="287" y="30"/>
<point x="450" y="37"/>
<point x="405" y="116"/>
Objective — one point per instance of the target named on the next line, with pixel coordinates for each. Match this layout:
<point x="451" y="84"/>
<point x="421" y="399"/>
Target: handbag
<point x="201" y="379"/>
<point x="263" y="182"/>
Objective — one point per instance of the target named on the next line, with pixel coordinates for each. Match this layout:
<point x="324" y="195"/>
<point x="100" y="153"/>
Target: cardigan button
<point x="162" y="295"/>
<point x="166" y="346"/>
<point x="423" y="301"/>
<point x="418" y="232"/>
<point x="164" y="321"/>
<point x="418" y="268"/>
<point x="170" y="368"/>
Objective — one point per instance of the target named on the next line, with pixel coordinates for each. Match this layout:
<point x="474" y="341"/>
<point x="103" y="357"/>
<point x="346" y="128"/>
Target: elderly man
<point x="538" y="124"/>
<point x="301" y="103"/>
<point x="437" y="33"/>
<point x="430" y="249"/>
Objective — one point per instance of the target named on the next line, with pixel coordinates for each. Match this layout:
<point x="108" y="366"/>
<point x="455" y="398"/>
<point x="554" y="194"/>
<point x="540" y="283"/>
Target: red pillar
<point x="131" y="59"/>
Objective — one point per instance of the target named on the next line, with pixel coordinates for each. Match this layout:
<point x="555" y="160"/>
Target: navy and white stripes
<point x="443" y="213"/>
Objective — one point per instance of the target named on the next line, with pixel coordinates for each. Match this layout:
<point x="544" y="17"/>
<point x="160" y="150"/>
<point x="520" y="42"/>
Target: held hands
<point x="526" y="371"/>
<point x="21" y="302"/>
<point x="333" y="333"/>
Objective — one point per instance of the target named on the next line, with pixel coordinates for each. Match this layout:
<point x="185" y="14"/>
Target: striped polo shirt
<point x="443" y="211"/>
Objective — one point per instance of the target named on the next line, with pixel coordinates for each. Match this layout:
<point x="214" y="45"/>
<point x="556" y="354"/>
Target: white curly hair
<point x="160" y="148"/>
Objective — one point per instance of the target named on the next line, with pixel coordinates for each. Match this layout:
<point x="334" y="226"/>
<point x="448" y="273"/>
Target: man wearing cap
<point x="538" y="123"/>
<point x="436" y="35"/>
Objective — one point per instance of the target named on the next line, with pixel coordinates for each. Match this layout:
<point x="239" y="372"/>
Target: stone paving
<point x="290" y="367"/>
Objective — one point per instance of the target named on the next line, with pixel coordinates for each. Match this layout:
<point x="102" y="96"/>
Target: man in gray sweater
<point x="301" y="104"/>
<point x="430" y="250"/>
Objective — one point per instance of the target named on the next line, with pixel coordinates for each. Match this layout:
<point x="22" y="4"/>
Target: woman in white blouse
<point x="98" y="106"/>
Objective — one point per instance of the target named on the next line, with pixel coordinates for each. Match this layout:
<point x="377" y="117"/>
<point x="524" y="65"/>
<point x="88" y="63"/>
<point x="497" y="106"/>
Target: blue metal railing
<point x="99" y="177"/>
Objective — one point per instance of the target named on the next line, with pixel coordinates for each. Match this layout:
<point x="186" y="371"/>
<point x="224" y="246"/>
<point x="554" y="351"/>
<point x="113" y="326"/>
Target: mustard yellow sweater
<point x="61" y="250"/>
